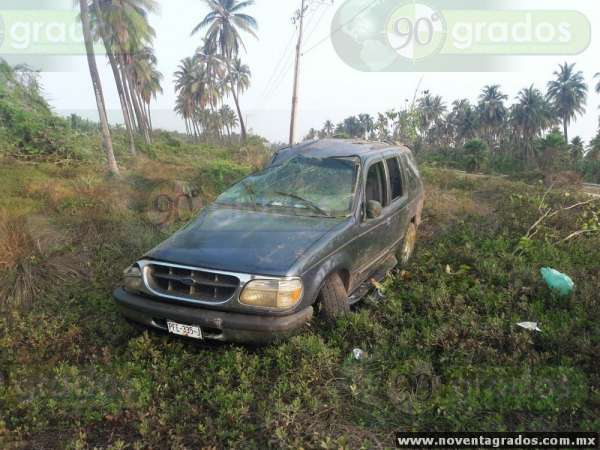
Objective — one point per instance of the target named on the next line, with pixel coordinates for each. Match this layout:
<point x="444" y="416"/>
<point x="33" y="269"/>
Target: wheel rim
<point x="409" y="244"/>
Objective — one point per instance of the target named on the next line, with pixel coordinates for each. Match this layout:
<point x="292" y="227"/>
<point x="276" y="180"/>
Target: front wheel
<point x="408" y="244"/>
<point x="333" y="299"/>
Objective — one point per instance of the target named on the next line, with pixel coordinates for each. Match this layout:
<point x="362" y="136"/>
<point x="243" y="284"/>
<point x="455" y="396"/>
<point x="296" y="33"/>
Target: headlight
<point x="272" y="293"/>
<point x="132" y="277"/>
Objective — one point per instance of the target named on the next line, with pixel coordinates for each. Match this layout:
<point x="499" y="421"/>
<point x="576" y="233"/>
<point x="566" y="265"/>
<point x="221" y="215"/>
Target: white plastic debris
<point x="358" y="354"/>
<point x="531" y="326"/>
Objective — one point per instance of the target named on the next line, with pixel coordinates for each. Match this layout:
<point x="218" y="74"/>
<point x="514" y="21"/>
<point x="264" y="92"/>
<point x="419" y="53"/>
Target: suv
<point x="310" y="232"/>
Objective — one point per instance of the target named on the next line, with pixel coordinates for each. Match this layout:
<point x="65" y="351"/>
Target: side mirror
<point x="374" y="209"/>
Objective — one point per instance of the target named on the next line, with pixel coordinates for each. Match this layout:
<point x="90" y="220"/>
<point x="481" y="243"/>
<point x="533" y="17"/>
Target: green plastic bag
<point x="558" y="282"/>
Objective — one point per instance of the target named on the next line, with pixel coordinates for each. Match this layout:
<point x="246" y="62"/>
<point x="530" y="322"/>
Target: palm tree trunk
<point x="150" y="118"/>
<point x="96" y="83"/>
<point x="118" y="82"/>
<point x="142" y="109"/>
<point x="132" y="113"/>
<point x="566" y="128"/>
<point x="138" y="109"/>
<point x="145" y="118"/>
<point x="196" y="129"/>
<point x="239" y="111"/>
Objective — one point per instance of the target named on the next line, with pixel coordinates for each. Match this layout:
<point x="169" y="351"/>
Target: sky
<point x="329" y="88"/>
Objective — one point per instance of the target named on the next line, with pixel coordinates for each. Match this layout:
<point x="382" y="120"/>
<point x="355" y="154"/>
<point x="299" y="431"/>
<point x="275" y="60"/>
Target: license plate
<point x="191" y="331"/>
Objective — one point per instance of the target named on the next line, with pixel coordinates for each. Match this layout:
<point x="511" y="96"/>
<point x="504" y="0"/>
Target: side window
<point x="375" y="188"/>
<point x="413" y="181"/>
<point x="395" y="178"/>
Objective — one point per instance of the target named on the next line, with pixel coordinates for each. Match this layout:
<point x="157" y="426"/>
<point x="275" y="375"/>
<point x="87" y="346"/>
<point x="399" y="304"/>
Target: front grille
<point x="191" y="284"/>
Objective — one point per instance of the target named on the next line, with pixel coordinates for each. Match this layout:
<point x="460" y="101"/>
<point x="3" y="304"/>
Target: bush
<point x="27" y="122"/>
<point x="590" y="169"/>
<point x="476" y="154"/>
<point x="219" y="174"/>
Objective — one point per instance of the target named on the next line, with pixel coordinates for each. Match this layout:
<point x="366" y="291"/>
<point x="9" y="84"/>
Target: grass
<point x="443" y="349"/>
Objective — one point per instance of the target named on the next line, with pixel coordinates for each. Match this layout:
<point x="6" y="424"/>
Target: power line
<point x="275" y="85"/>
<point x="284" y="70"/>
<point x="274" y="74"/>
<point x="340" y="27"/>
<point x="312" y="31"/>
<point x="278" y="83"/>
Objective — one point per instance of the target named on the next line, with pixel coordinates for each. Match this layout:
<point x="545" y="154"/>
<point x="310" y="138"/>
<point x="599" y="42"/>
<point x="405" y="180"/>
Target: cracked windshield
<point x="303" y="186"/>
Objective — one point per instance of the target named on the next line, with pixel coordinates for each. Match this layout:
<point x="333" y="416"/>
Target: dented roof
<point x="336" y="148"/>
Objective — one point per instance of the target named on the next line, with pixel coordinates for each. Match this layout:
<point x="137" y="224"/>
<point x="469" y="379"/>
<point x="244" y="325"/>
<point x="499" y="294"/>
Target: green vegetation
<point x="444" y="351"/>
<point x="216" y="71"/>
<point x="28" y="128"/>
<point x="517" y="136"/>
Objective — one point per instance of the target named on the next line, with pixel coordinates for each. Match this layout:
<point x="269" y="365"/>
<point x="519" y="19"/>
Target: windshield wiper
<point x="306" y="202"/>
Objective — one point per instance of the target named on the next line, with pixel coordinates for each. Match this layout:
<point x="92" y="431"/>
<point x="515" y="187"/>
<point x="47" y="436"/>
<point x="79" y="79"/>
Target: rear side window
<point x="395" y="178"/>
<point x="376" y="185"/>
<point x="411" y="173"/>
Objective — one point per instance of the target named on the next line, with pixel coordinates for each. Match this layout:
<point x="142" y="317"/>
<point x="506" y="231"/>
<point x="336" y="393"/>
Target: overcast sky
<point x="329" y="88"/>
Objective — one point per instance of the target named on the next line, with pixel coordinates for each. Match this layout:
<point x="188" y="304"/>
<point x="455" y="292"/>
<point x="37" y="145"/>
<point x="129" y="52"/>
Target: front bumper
<point x="216" y="325"/>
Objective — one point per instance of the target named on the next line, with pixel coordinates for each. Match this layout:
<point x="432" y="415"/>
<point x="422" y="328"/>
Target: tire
<point x="333" y="299"/>
<point x="408" y="245"/>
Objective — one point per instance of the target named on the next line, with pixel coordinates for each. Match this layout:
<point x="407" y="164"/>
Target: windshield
<point x="305" y="186"/>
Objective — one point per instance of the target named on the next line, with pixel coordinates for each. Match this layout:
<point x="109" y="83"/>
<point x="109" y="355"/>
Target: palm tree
<point x="593" y="153"/>
<point x="212" y="65"/>
<point x="239" y="81"/>
<point x="146" y="81"/>
<point x="568" y="94"/>
<point x="492" y="111"/>
<point x="229" y="119"/>
<point x="123" y="27"/>
<point x="188" y="79"/>
<point x="151" y="86"/>
<point x="597" y="84"/>
<point x="430" y="109"/>
<point x="328" y="128"/>
<point x="382" y="127"/>
<point x="223" y="25"/>
<point x="312" y="134"/>
<point x="464" y="121"/>
<point x="96" y="83"/>
<point x="352" y="127"/>
<point x="530" y="117"/>
<point x="577" y="148"/>
<point x="367" y="123"/>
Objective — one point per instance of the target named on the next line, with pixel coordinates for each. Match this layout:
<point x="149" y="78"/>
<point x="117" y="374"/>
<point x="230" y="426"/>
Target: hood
<point x="245" y="241"/>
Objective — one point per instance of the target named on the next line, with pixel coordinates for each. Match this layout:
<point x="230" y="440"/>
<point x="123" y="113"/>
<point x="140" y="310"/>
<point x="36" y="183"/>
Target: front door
<point x="373" y="242"/>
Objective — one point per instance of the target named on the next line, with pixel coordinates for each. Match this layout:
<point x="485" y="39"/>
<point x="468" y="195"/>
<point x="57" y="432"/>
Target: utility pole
<point x="297" y="75"/>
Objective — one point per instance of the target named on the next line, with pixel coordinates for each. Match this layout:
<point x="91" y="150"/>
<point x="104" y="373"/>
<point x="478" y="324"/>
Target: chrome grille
<point x="191" y="284"/>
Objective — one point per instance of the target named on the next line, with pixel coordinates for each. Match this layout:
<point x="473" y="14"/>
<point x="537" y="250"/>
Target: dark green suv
<point x="305" y="234"/>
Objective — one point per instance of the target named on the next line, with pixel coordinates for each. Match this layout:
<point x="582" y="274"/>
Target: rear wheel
<point x="333" y="299"/>
<point x="408" y="244"/>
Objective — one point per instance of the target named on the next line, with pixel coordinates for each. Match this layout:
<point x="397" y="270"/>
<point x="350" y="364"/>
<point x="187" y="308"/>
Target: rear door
<point x="399" y="214"/>
<point x="413" y="184"/>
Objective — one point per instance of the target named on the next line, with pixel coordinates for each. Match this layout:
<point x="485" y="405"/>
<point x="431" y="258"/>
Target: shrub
<point x="476" y="153"/>
<point x="219" y="174"/>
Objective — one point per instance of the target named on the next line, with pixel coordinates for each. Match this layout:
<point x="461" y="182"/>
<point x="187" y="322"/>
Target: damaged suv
<point x="306" y="234"/>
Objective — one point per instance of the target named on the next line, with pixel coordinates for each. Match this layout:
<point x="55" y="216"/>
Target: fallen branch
<point x="575" y="234"/>
<point x="548" y="214"/>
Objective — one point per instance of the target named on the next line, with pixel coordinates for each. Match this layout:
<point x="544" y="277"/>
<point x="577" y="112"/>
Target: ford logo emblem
<point x="187" y="281"/>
